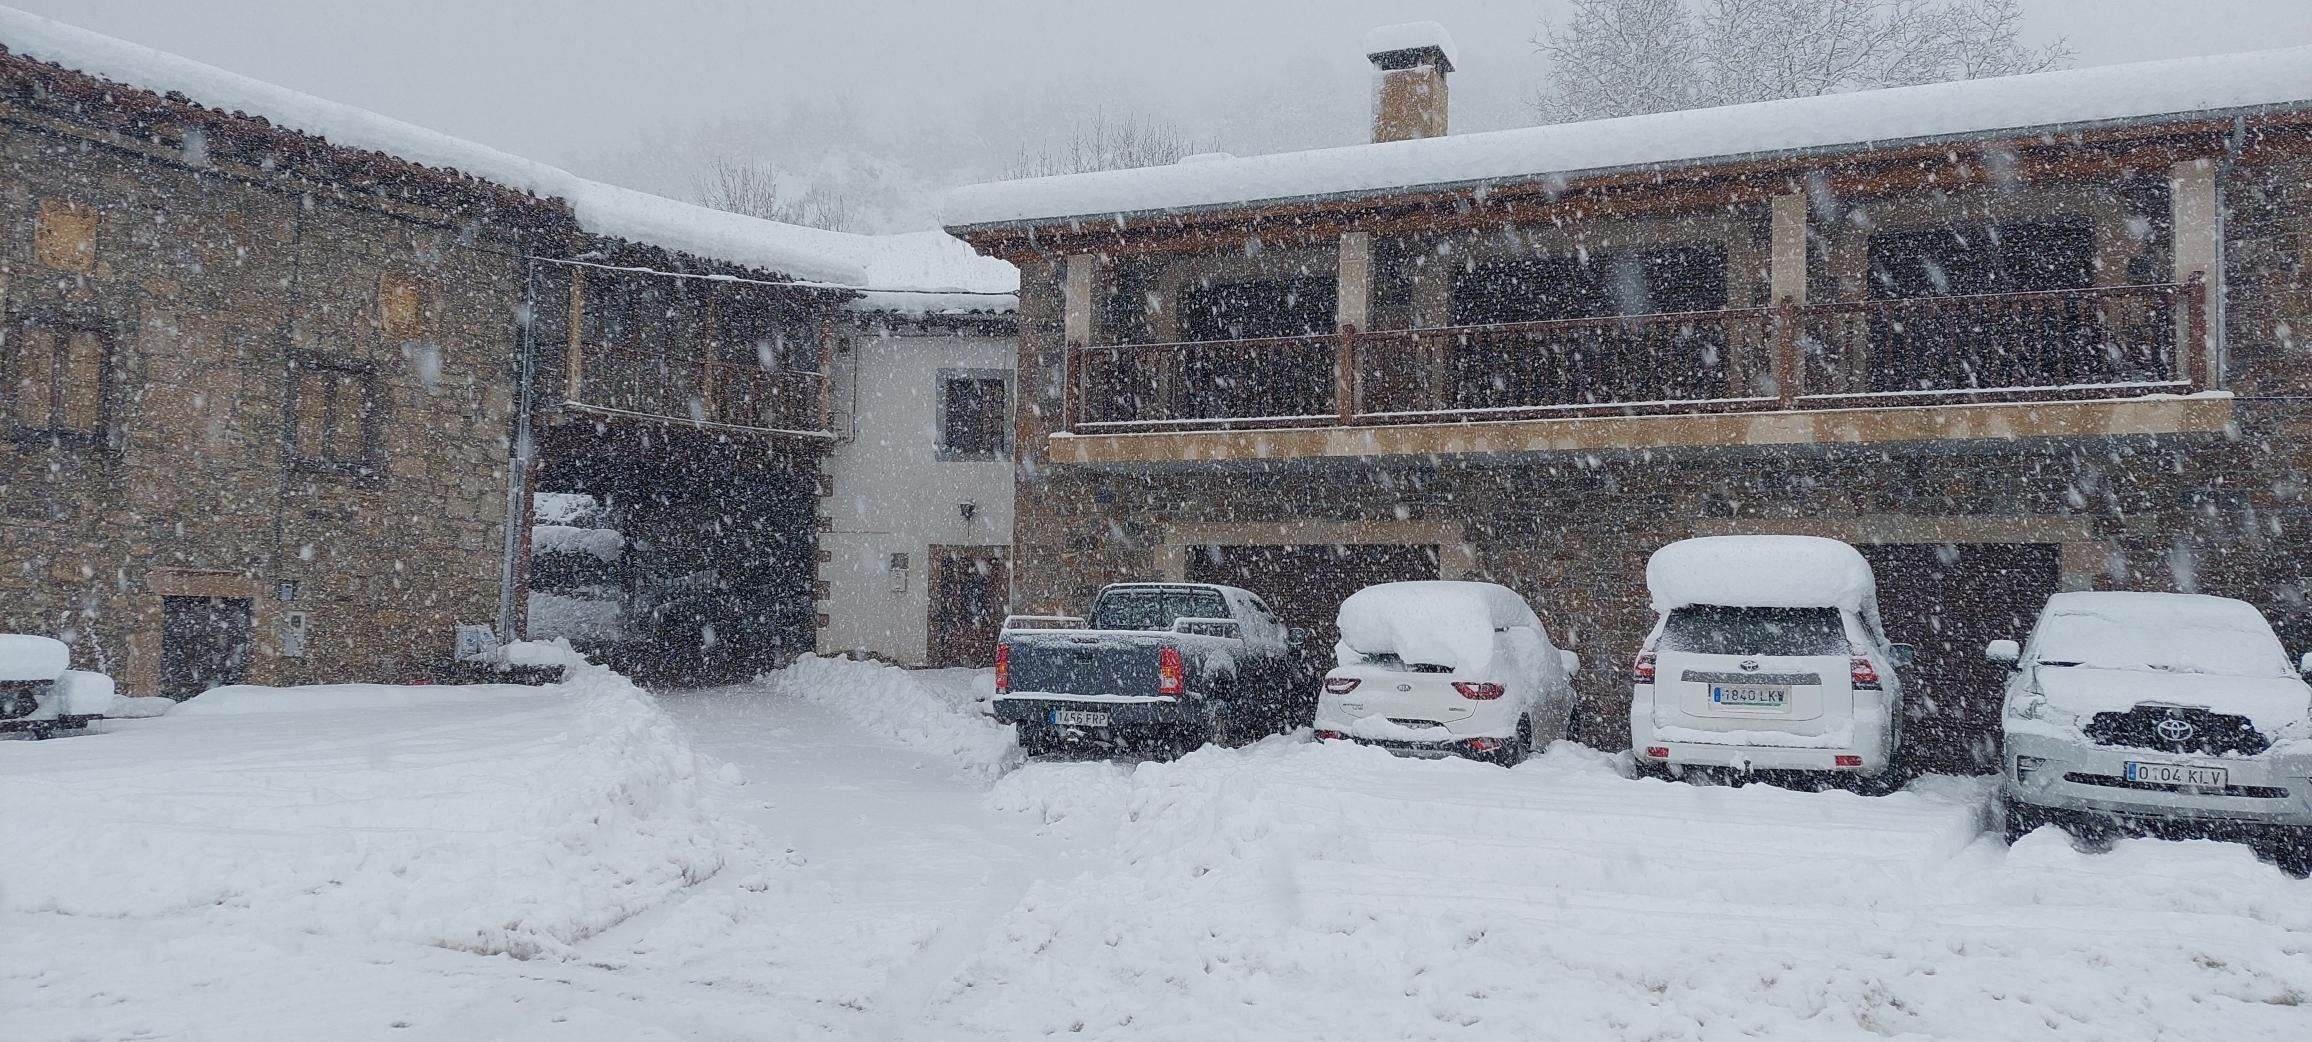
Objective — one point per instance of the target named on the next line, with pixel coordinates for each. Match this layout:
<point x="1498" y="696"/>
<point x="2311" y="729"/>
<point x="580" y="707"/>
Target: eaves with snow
<point x="926" y="272"/>
<point x="2050" y="102"/>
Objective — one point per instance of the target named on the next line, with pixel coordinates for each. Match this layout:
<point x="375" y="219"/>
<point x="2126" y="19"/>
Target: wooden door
<point x="1948" y="601"/>
<point x="970" y="595"/>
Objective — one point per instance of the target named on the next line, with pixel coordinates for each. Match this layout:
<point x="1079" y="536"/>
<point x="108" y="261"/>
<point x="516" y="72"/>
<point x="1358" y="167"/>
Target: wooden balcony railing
<point x="702" y="391"/>
<point x="2099" y="342"/>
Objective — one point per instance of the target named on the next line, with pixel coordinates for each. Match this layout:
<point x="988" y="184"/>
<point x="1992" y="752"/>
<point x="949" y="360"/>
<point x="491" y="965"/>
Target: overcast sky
<point x="578" y="82"/>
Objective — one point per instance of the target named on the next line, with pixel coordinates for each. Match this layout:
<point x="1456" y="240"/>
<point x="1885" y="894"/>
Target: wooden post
<point x="1786" y="367"/>
<point x="2192" y="355"/>
<point x="574" y="371"/>
<point x="710" y="352"/>
<point x="827" y="374"/>
<point x="1071" y="384"/>
<point x="1345" y="375"/>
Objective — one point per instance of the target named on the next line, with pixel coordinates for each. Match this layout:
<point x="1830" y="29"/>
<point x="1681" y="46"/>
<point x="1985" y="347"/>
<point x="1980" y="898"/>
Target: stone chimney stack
<point x="1409" y="101"/>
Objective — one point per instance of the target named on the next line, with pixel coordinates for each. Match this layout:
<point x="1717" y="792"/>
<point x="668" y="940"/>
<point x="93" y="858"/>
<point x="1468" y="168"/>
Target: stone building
<point x="280" y="377"/>
<point x="2009" y="336"/>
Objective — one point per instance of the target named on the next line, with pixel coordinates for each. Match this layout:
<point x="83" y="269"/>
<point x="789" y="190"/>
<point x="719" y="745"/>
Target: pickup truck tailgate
<point x="1084" y="663"/>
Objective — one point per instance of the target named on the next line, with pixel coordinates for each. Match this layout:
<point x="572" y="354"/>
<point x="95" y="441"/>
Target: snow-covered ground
<point x="850" y="851"/>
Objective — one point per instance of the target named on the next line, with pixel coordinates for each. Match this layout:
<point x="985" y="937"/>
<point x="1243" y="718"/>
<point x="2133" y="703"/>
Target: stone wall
<point x="227" y="292"/>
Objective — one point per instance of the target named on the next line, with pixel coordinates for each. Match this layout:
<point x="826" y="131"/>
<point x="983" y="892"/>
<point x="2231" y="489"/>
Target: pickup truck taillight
<point x="1003" y="669"/>
<point x="1171" y="676"/>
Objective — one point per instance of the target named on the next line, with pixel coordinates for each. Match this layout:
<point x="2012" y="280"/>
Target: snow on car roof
<point x="1760" y="571"/>
<point x="24" y="656"/>
<point x="2175" y="632"/>
<point x="1436" y="622"/>
<point x="2071" y="98"/>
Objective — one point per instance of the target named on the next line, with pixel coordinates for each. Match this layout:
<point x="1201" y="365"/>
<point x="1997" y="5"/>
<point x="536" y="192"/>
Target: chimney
<point x="1413" y="59"/>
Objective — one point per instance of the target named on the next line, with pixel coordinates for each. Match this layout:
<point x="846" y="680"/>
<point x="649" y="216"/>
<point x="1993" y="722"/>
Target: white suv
<point x="1768" y="655"/>
<point x="2157" y="713"/>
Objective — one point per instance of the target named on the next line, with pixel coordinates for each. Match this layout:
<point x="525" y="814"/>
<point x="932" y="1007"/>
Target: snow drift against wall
<point x="1972" y="108"/>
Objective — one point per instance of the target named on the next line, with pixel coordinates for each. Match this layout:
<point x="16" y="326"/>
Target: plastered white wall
<point x="893" y="494"/>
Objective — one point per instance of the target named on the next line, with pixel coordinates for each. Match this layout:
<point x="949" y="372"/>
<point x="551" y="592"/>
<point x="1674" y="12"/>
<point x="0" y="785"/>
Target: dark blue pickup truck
<point x="1155" y="666"/>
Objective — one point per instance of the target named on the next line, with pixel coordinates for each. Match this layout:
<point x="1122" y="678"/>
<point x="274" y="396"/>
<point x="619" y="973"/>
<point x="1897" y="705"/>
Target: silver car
<point x="2159" y="714"/>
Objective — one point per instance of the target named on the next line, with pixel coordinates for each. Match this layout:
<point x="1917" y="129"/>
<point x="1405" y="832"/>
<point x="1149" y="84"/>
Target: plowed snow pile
<point x="933" y="710"/>
<point x="1326" y="892"/>
<point x="492" y="819"/>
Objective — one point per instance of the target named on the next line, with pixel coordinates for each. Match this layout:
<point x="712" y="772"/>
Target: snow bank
<point x="2225" y="83"/>
<point x="1760" y="571"/>
<point x="1331" y="891"/>
<point x="1438" y="623"/>
<point x="492" y="819"/>
<point x="938" y="711"/>
<point x="27" y="657"/>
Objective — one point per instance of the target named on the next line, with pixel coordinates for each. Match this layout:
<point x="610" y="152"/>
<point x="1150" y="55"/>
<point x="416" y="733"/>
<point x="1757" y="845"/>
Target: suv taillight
<point x="1171" y="676"/>
<point x="1866" y="676"/>
<point x="1480" y="692"/>
<point x="1340" y="685"/>
<point x="1003" y="669"/>
<point x="1643" y="669"/>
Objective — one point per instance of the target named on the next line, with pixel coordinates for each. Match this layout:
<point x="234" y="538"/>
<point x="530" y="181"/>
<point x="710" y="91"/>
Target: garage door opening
<point x="1305" y="584"/>
<point x="1948" y="601"/>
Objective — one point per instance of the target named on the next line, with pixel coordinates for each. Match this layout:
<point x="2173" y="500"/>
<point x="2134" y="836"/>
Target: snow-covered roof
<point x="1760" y="571"/>
<point x="2181" y="632"/>
<point x="1833" y="122"/>
<point x="927" y="261"/>
<point x="1413" y="36"/>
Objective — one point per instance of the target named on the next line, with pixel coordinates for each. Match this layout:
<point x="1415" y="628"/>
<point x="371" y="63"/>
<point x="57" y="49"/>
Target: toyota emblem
<point x="2173" y="730"/>
<point x="1749" y="665"/>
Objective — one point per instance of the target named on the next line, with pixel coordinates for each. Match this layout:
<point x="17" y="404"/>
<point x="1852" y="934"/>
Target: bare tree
<point x="1626" y="57"/>
<point x="1107" y="142"/>
<point x="726" y="182"/>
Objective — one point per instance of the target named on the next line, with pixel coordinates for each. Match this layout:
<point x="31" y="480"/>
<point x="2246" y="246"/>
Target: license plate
<point x="1078" y="718"/>
<point x="1750" y="696"/>
<point x="2177" y="774"/>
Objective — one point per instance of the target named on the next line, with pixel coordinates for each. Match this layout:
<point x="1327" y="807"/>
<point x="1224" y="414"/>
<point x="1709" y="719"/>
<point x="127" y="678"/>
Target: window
<point x="1708" y="629"/>
<point x="974" y="415"/>
<point x="334" y="414"/>
<point x="56" y="379"/>
<point x="1155" y="608"/>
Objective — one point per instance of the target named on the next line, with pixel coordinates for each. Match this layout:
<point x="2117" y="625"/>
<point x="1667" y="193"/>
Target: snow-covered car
<point x="2156" y="712"/>
<point x="1767" y="655"/>
<point x="40" y="693"/>
<point x="1446" y="668"/>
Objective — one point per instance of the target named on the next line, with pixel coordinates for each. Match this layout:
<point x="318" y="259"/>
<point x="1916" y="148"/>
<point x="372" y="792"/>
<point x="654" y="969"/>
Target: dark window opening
<point x="974" y="417"/>
<point x="56" y="379"/>
<point x="334" y="418"/>
<point x="1590" y="363"/>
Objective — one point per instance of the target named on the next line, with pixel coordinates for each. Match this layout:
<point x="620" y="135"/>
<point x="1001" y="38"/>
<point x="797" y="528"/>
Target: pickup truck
<point x="1156" y="665"/>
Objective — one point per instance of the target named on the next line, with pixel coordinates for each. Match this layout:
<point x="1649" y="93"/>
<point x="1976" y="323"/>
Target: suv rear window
<point x="1155" y="609"/>
<point x="1709" y="629"/>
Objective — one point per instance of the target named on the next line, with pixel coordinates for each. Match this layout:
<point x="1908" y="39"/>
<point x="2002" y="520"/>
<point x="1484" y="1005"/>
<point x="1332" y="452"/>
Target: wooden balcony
<point x="741" y="397"/>
<point x="2100" y="360"/>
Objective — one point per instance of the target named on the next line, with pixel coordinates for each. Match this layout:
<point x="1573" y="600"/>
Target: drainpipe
<point x="518" y="468"/>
